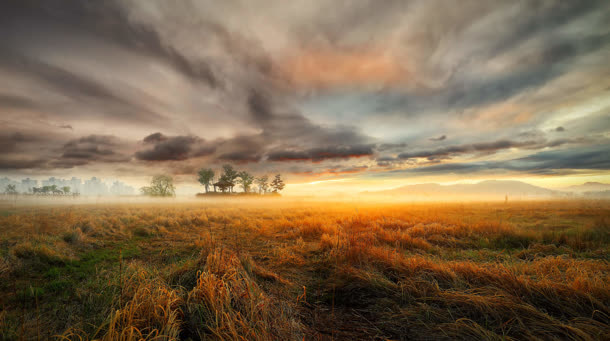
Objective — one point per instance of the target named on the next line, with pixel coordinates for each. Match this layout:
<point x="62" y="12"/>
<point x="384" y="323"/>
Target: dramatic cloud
<point x="173" y="148"/>
<point x="9" y="142"/>
<point x="94" y="147"/>
<point x="549" y="163"/>
<point x="486" y="148"/>
<point x="412" y="87"/>
<point x="320" y="154"/>
<point x="12" y="163"/>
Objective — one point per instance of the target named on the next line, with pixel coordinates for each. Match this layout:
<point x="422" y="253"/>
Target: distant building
<point x="95" y="186"/>
<point x="27" y="185"/>
<point x="223" y="185"/>
<point x="5" y="182"/>
<point x="119" y="188"/>
<point x="76" y="185"/>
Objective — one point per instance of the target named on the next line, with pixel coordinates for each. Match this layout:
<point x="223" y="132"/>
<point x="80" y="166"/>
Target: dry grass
<point x="294" y="271"/>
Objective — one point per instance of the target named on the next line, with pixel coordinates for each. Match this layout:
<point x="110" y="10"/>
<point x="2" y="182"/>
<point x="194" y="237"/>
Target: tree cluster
<point x="163" y="185"/>
<point x="51" y="190"/>
<point x="160" y="186"/>
<point x="231" y="177"/>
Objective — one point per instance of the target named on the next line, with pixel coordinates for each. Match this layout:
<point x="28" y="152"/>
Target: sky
<point x="334" y="95"/>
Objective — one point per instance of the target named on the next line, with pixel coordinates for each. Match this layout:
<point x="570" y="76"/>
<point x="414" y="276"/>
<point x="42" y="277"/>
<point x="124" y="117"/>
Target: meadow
<point x="280" y="270"/>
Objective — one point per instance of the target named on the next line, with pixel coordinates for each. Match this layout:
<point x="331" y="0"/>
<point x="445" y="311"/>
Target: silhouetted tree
<point x="160" y="186"/>
<point x="263" y="183"/>
<point x="245" y="179"/>
<point x="10" y="189"/>
<point x="66" y="189"/>
<point x="205" y="177"/>
<point x="277" y="184"/>
<point x="229" y="175"/>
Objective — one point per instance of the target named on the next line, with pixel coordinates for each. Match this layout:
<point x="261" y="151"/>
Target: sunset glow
<point x="295" y="170"/>
<point x="382" y="95"/>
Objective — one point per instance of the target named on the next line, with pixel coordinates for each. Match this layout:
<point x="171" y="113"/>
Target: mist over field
<point x="304" y="170"/>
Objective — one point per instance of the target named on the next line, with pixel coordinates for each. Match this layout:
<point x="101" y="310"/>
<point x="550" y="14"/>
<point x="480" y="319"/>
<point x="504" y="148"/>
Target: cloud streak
<point x="414" y="86"/>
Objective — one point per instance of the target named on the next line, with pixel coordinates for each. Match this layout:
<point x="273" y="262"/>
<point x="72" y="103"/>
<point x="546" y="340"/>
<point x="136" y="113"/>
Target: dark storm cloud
<point x="242" y="148"/>
<point x="488" y="148"/>
<point x="78" y="87"/>
<point x="447" y="152"/>
<point x="321" y="154"/>
<point x="101" y="140"/>
<point x="596" y="157"/>
<point x="104" y="19"/>
<point x="41" y="150"/>
<point x="259" y="106"/>
<point x="9" y="142"/>
<point x="541" y="17"/>
<point x="281" y="123"/>
<point x="155" y="138"/>
<point x="240" y="156"/>
<point x="27" y="149"/>
<point x="166" y="148"/>
<point x="92" y="148"/>
<point x="559" y="129"/>
<point x="254" y="148"/>
<point x="224" y="71"/>
<point x="175" y="148"/>
<point x="10" y="163"/>
<point x="302" y="140"/>
<point x="547" y="162"/>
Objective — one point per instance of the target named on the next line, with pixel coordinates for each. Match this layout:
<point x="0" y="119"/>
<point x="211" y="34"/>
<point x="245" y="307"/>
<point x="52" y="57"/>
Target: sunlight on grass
<point x="294" y="271"/>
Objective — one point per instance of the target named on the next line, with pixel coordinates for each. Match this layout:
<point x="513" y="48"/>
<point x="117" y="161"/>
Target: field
<point x="278" y="270"/>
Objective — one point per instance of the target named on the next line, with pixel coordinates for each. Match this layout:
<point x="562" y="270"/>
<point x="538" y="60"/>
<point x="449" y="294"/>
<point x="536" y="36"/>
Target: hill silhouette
<point x="495" y="188"/>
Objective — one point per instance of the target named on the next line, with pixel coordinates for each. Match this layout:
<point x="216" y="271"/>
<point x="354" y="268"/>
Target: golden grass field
<point x="280" y="270"/>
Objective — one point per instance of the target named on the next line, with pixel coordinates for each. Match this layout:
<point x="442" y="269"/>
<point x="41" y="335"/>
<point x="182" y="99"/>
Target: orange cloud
<point x="502" y="114"/>
<point x="336" y="69"/>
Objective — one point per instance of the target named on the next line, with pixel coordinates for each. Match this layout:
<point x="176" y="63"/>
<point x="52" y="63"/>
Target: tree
<point x="206" y="176"/>
<point x="229" y="175"/>
<point x="10" y="189"/>
<point x="277" y="184"/>
<point x="160" y="186"/>
<point x="246" y="180"/>
<point x="66" y="189"/>
<point x="263" y="184"/>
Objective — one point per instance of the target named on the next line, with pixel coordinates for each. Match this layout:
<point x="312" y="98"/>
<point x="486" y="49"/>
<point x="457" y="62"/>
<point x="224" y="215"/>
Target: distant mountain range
<point x="588" y="187"/>
<point x="490" y="188"/>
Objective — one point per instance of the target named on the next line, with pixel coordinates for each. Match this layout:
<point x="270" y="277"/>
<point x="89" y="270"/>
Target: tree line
<point x="230" y="177"/>
<point x="44" y="190"/>
<point x="163" y="185"/>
